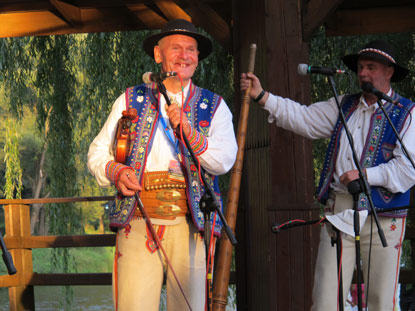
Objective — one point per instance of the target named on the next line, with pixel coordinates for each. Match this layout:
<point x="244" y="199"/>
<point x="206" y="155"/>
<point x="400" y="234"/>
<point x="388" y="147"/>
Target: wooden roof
<point x="46" y="17"/>
<point x="342" y="17"/>
<point x="354" y="17"/>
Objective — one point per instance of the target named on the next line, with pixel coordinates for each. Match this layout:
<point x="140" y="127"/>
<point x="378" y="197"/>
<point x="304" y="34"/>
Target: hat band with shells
<point x="391" y="59"/>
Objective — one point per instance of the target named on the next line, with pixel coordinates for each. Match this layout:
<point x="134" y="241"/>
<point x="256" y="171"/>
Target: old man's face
<point x="178" y="53"/>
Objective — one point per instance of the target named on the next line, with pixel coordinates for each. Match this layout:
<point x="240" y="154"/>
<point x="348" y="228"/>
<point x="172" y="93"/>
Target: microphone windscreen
<point x="368" y="87"/>
<point x="302" y="69"/>
<point x="146" y="77"/>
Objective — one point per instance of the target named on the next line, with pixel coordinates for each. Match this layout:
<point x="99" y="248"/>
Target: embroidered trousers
<point x="139" y="269"/>
<point x="384" y="262"/>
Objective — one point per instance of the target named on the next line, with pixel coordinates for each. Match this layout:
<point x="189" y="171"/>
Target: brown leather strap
<point x="162" y="180"/>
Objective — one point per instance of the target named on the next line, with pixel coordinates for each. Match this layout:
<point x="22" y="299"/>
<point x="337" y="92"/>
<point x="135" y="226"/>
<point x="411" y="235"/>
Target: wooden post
<point x="17" y="220"/>
<point x="274" y="271"/>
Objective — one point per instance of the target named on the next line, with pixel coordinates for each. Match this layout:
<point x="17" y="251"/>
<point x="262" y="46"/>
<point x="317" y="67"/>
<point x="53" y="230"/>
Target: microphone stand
<point x="277" y="228"/>
<point x="338" y="241"/>
<point x="207" y="207"/>
<point x="355" y="188"/>
<point x="208" y="202"/>
<point x="7" y="257"/>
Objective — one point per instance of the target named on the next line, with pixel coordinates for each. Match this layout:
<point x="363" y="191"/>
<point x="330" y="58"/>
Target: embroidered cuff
<point x="197" y="142"/>
<point x="113" y="170"/>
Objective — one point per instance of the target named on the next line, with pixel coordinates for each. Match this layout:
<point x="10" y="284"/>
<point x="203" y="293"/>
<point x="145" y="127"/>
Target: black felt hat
<point x="179" y="27"/>
<point x="381" y="51"/>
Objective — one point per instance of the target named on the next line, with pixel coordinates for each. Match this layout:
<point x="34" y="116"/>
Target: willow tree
<point x="13" y="78"/>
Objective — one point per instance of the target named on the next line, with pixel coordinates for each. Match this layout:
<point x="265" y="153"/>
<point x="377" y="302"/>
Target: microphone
<point x="369" y="88"/>
<point x="157" y="77"/>
<point x="304" y="69"/>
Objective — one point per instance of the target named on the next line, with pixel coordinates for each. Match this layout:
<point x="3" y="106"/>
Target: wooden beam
<point x="54" y="279"/>
<point x="371" y="20"/>
<point x="315" y="14"/>
<point x="63" y="279"/>
<point x="17" y="221"/>
<point x="70" y="13"/>
<point x="51" y="241"/>
<point x="20" y="7"/>
<point x="171" y="10"/>
<point x="122" y="14"/>
<point x="92" y="20"/>
<point x="148" y="17"/>
<point x="55" y="200"/>
<point x="71" y="279"/>
<point x="204" y="16"/>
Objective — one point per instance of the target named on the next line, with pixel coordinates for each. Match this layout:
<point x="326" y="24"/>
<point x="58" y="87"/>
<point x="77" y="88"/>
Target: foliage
<point x="14" y="77"/>
<point x="16" y="66"/>
<point x="13" y="175"/>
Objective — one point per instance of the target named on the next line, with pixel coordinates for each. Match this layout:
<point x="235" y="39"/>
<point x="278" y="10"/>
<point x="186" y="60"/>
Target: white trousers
<point x="138" y="272"/>
<point x="384" y="262"/>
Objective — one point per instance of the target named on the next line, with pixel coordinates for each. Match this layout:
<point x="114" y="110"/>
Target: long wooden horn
<point x="221" y="279"/>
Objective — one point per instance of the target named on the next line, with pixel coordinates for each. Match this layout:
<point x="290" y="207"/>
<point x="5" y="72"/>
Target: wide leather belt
<point x="162" y="198"/>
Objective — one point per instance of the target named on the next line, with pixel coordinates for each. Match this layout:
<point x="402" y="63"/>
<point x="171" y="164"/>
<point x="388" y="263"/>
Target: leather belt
<point x="162" y="198"/>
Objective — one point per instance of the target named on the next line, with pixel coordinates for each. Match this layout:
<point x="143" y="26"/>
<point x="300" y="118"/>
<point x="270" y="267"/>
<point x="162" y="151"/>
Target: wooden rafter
<point x="207" y="18"/>
<point x="371" y="20"/>
<point x="124" y="15"/>
<point x="71" y="14"/>
<point x="315" y="14"/>
<point x="104" y="19"/>
<point x="149" y="18"/>
<point x="171" y="10"/>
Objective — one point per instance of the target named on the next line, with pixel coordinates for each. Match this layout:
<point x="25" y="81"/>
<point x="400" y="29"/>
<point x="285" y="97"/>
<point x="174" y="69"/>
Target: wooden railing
<point x="20" y="243"/>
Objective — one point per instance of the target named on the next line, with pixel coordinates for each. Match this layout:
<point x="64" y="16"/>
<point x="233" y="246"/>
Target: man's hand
<point x="256" y="88"/>
<point x="173" y="112"/>
<point x="349" y="176"/>
<point x="127" y="183"/>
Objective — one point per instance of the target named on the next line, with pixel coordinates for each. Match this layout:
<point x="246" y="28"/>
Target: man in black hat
<point x="159" y="166"/>
<point x="389" y="173"/>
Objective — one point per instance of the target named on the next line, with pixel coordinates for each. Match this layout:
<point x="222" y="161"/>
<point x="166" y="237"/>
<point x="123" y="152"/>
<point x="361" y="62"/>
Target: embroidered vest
<point x="378" y="148"/>
<point x="200" y="108"/>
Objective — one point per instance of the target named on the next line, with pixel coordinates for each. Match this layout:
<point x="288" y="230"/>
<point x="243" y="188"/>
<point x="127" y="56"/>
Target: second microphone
<point x="304" y="69"/>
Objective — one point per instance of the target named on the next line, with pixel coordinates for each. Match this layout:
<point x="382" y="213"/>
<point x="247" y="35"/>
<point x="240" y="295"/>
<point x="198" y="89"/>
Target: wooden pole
<point x="221" y="279"/>
<point x="17" y="220"/>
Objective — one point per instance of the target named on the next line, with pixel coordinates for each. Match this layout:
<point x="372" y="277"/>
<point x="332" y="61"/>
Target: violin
<point x="124" y="139"/>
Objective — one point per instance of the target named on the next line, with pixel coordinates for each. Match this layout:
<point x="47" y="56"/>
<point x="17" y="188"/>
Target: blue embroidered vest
<point x="378" y="148"/>
<point x="200" y="108"/>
